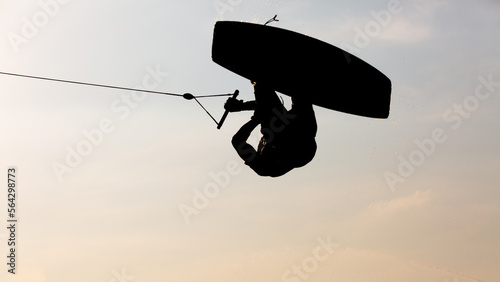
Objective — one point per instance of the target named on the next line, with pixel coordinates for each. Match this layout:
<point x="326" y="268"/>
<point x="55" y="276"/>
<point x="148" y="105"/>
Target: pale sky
<point x="123" y="186"/>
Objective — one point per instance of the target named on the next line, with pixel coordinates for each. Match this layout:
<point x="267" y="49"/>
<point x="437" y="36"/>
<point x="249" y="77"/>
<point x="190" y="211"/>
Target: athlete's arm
<point x="234" y="105"/>
<point x="239" y="141"/>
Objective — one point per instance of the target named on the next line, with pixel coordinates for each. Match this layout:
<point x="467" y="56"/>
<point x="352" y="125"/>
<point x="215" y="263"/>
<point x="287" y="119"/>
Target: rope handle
<point x="224" y="116"/>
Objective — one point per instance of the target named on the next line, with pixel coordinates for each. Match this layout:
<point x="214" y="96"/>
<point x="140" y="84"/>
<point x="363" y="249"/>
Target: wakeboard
<point x="301" y="66"/>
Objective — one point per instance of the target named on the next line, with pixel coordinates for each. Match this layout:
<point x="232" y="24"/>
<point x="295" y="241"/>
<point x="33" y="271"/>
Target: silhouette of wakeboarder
<point x="288" y="136"/>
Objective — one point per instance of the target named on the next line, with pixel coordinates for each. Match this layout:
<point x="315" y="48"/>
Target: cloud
<point x="404" y="30"/>
<point x="401" y="204"/>
<point x="383" y="266"/>
<point x="429" y="7"/>
<point x="415" y="23"/>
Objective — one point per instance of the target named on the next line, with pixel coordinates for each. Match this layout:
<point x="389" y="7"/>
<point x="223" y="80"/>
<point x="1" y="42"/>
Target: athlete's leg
<point x="268" y="111"/>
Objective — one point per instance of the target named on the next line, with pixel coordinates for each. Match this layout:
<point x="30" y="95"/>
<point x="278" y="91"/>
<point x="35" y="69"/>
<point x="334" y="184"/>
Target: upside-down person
<point x="288" y="136"/>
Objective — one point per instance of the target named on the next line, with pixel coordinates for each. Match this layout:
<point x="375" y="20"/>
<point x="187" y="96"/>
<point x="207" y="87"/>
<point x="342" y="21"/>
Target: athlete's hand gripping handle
<point x="224" y="116"/>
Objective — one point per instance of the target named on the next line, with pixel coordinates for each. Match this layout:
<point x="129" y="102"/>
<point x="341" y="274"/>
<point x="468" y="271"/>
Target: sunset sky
<point x="119" y="186"/>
